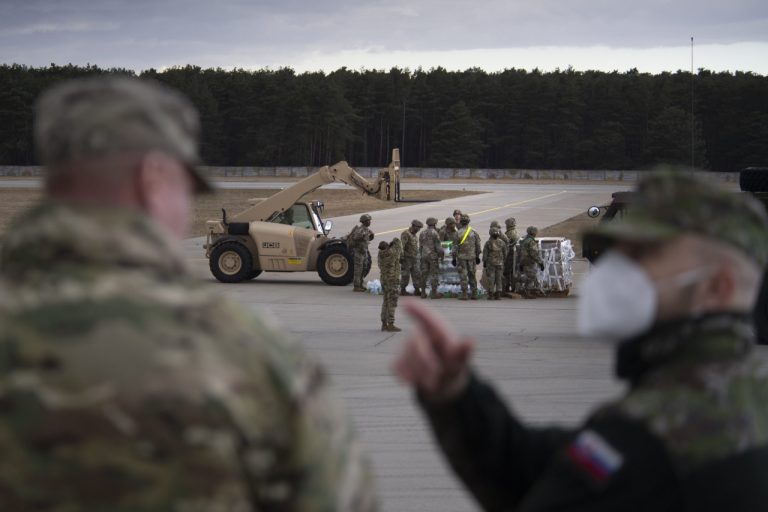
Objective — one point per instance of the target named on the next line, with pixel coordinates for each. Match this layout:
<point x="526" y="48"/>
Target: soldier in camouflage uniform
<point x="457" y="217"/>
<point x="431" y="252"/>
<point x="390" y="255"/>
<point x="675" y="296"/>
<point x="509" y="264"/>
<point x="529" y="263"/>
<point x="410" y="261"/>
<point x="466" y="255"/>
<point x="494" y="255"/>
<point x="125" y="385"/>
<point x="448" y="231"/>
<point x="495" y="224"/>
<point x="359" y="239"/>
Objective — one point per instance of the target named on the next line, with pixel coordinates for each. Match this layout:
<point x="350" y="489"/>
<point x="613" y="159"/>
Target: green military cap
<point x="96" y="117"/>
<point x="669" y="204"/>
<point x="431" y="221"/>
<point x="450" y="220"/>
<point x="365" y="217"/>
<point x="417" y="223"/>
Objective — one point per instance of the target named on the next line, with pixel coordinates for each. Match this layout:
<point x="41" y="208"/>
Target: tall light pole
<point x="693" y="123"/>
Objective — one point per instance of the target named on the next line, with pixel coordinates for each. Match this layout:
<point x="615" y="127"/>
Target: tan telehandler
<point x="279" y="234"/>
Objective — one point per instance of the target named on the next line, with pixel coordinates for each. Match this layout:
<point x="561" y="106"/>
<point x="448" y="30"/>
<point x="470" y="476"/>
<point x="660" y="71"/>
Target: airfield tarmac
<point x="526" y="347"/>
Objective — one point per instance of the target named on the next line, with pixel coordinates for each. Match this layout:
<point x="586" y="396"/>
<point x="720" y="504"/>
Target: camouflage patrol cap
<point x="417" y="223"/>
<point x="510" y="222"/>
<point x="532" y="230"/>
<point x="450" y="221"/>
<point x="669" y="204"/>
<point x="495" y="224"/>
<point x="96" y="117"/>
<point x="431" y="221"/>
<point x="365" y="217"/>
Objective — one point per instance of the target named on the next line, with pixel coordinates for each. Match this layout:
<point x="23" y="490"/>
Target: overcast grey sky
<point x="651" y="35"/>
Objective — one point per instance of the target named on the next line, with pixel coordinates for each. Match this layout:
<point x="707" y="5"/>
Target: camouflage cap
<point x="495" y="224"/>
<point x="450" y="221"/>
<point x="669" y="204"/>
<point x="532" y="230"/>
<point x="417" y="223"/>
<point x="365" y="217"/>
<point x="96" y="117"/>
<point x="431" y="221"/>
<point x="510" y="222"/>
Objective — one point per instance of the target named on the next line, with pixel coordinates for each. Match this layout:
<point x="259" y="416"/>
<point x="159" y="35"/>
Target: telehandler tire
<point x="231" y="262"/>
<point x="335" y="266"/>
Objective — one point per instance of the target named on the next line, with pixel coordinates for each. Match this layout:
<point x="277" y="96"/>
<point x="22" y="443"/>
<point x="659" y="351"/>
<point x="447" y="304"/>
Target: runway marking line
<point x="510" y="205"/>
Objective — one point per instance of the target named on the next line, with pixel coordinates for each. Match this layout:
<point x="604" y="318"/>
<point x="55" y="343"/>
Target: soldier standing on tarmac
<point x="448" y="231"/>
<point x="494" y="256"/>
<point x="360" y="237"/>
<point x="466" y="255"/>
<point x="509" y="264"/>
<point x="530" y="261"/>
<point x="431" y="252"/>
<point x="457" y="216"/>
<point x="410" y="261"/>
<point x="389" y="265"/>
<point x="502" y="236"/>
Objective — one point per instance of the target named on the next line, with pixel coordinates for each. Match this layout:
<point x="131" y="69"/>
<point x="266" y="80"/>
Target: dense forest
<point x="511" y="119"/>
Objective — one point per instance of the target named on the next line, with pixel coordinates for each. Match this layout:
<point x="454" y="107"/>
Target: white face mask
<point x="618" y="300"/>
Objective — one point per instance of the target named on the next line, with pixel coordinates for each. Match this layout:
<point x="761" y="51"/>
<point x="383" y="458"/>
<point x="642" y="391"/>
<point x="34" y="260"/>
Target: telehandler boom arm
<point x="384" y="187"/>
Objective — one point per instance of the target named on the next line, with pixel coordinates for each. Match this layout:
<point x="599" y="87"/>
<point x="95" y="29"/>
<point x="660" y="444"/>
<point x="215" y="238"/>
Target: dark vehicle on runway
<point x="753" y="180"/>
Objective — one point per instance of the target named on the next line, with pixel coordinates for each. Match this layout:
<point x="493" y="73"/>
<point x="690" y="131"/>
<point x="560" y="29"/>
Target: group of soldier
<point x="416" y="255"/>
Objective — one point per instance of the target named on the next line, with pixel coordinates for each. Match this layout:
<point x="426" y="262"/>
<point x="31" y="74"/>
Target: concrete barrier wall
<point x="412" y="172"/>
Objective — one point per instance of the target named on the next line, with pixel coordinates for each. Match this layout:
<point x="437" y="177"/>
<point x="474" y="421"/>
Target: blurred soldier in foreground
<point x="389" y="266"/>
<point x="124" y="384"/>
<point x="529" y="262"/>
<point x="466" y="255"/>
<point x="410" y="261"/>
<point x="509" y="264"/>
<point x="431" y="251"/>
<point x="359" y="238"/>
<point x="494" y="255"/>
<point x="691" y="433"/>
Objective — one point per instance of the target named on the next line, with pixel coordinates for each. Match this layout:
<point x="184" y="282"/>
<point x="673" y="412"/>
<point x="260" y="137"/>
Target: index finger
<point x="438" y="330"/>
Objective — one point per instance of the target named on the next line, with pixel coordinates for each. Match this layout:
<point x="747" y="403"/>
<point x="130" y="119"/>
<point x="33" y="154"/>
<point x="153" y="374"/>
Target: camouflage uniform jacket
<point x="529" y="252"/>
<point x="471" y="248"/>
<point x="512" y="237"/>
<point x="125" y="385"/>
<point x="692" y="432"/>
<point x="410" y="244"/>
<point x="389" y="264"/>
<point x="360" y="237"/>
<point x="429" y="242"/>
<point x="494" y="252"/>
<point x="449" y="236"/>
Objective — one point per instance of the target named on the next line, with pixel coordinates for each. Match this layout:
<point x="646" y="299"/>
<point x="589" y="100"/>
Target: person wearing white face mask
<point x="675" y="295"/>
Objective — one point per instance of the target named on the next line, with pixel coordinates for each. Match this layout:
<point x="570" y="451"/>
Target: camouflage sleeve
<point x="478" y="247"/>
<point x="397" y="245"/>
<point x="486" y="250"/>
<point x="304" y="456"/>
<point x="438" y="247"/>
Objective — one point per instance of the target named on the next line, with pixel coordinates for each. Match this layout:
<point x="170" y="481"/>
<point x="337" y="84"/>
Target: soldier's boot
<point x="473" y="295"/>
<point x="491" y="296"/>
<point x="403" y="292"/>
<point x="423" y="293"/>
<point x="383" y="326"/>
<point x="435" y="295"/>
<point x="463" y="295"/>
<point x="393" y="328"/>
<point x="359" y="289"/>
<point x="416" y="291"/>
<point x="497" y="296"/>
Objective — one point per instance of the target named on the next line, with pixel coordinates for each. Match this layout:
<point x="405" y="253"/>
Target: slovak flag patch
<point x="595" y="456"/>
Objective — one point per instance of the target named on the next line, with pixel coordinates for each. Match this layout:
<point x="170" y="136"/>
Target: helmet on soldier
<point x="431" y="221"/>
<point x="495" y="224"/>
<point x="510" y="222"/>
<point x="532" y="230"/>
<point x="383" y="246"/>
<point x="464" y="219"/>
<point x="365" y="218"/>
<point x="417" y="223"/>
<point x="450" y="221"/>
